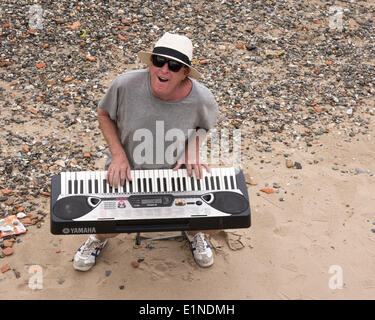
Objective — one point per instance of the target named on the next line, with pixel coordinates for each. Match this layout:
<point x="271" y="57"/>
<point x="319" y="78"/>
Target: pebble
<point x="250" y="180"/>
<point x="21" y="215"/>
<point x="108" y="273"/>
<point x="8" y="251"/>
<point x="297" y="165"/>
<point x="359" y="171"/>
<point x="135" y="264"/>
<point x="289" y="163"/>
<point x="267" y="190"/>
<point x="5" y="268"/>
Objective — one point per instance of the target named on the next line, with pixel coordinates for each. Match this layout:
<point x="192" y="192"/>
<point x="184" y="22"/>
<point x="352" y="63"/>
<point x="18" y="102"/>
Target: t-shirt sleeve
<point x="208" y="112"/>
<point x="110" y="100"/>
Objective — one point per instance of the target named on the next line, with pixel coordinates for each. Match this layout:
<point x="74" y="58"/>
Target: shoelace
<point x="199" y="242"/>
<point x="89" y="246"/>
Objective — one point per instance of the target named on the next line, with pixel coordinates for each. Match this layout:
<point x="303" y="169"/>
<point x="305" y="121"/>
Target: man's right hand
<point x="118" y="171"/>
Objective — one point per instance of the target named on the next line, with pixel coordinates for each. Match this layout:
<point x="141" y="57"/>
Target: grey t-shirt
<point x="149" y="128"/>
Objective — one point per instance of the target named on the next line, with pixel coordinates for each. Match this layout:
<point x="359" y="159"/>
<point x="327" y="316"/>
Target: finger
<point x="109" y="176"/>
<point x="207" y="167"/>
<point x="196" y="171"/>
<point x="188" y="169"/>
<point x="200" y="171"/>
<point x="128" y="173"/>
<point x="178" y="165"/>
<point x="115" y="178"/>
<point x="122" y="176"/>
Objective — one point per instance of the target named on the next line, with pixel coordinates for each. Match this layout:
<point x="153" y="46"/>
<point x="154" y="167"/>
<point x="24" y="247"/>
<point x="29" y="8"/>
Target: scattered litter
<point x="11" y="225"/>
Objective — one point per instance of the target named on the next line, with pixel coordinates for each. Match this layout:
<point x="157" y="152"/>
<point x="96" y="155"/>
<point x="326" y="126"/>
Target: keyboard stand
<point x="138" y="238"/>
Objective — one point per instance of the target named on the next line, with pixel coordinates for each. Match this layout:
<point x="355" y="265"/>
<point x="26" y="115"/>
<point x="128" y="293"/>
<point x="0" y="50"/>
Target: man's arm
<point x="119" y="167"/>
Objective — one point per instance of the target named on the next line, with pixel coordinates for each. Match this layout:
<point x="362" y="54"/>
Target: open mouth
<point x="162" y="79"/>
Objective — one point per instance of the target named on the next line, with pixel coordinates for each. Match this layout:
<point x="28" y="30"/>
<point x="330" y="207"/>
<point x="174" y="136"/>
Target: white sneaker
<point x="86" y="255"/>
<point x="201" y="249"/>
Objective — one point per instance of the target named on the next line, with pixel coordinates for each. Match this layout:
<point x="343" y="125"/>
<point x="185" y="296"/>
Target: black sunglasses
<point x="159" y="61"/>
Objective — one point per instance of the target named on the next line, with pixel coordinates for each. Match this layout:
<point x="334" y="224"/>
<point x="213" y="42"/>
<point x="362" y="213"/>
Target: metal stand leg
<point x="138" y="238"/>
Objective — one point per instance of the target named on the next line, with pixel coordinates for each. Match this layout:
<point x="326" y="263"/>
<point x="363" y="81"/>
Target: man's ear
<point x="186" y="70"/>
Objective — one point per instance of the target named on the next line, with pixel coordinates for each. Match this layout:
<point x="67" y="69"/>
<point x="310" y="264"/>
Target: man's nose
<point x="164" y="68"/>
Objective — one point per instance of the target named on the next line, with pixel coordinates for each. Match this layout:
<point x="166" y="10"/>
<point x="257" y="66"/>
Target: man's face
<point x="164" y="82"/>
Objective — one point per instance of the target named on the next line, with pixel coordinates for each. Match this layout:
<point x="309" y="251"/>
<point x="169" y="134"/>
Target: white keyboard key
<point x="80" y="177"/>
<point x="175" y="178"/>
<point x="92" y="179"/>
<point x="168" y="178"/>
<point x="187" y="179"/>
<point x="63" y="183"/>
<point x="213" y="179"/>
<point x="135" y="182"/>
<point x="154" y="176"/>
<point x="103" y="182"/>
<point x="145" y="181"/>
<point x="221" y="178"/>
<point x="233" y="174"/>
<point x="161" y="183"/>
<point x="180" y="178"/>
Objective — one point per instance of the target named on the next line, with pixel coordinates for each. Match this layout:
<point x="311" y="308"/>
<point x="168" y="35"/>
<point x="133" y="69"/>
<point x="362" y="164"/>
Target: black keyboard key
<point x="130" y="186"/>
<point x="144" y="185"/>
<point x="232" y="182"/>
<point x="158" y="184"/>
<point x="212" y="183"/>
<point x="75" y="186"/>
<point x="208" y="187"/>
<point x="226" y="182"/>
<point x="173" y="186"/>
<point x="96" y="186"/>
<point x="217" y="183"/>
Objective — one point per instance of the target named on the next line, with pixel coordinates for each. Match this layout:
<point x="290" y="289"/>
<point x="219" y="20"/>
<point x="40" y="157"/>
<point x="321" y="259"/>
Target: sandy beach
<point x="325" y="220"/>
<point x="297" y="91"/>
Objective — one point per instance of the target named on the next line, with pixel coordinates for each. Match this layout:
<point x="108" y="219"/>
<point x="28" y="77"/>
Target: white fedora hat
<point x="175" y="47"/>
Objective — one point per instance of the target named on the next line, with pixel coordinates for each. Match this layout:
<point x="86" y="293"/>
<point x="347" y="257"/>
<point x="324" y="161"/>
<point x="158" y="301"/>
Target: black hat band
<point x="172" y="53"/>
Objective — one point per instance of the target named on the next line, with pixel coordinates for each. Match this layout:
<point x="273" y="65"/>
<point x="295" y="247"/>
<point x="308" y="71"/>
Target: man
<point x="166" y="93"/>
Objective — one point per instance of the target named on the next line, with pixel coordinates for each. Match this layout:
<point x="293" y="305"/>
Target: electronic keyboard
<point x="153" y="201"/>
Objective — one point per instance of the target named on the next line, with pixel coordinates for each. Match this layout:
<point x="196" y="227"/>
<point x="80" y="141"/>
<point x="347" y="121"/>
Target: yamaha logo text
<point x="79" y="230"/>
